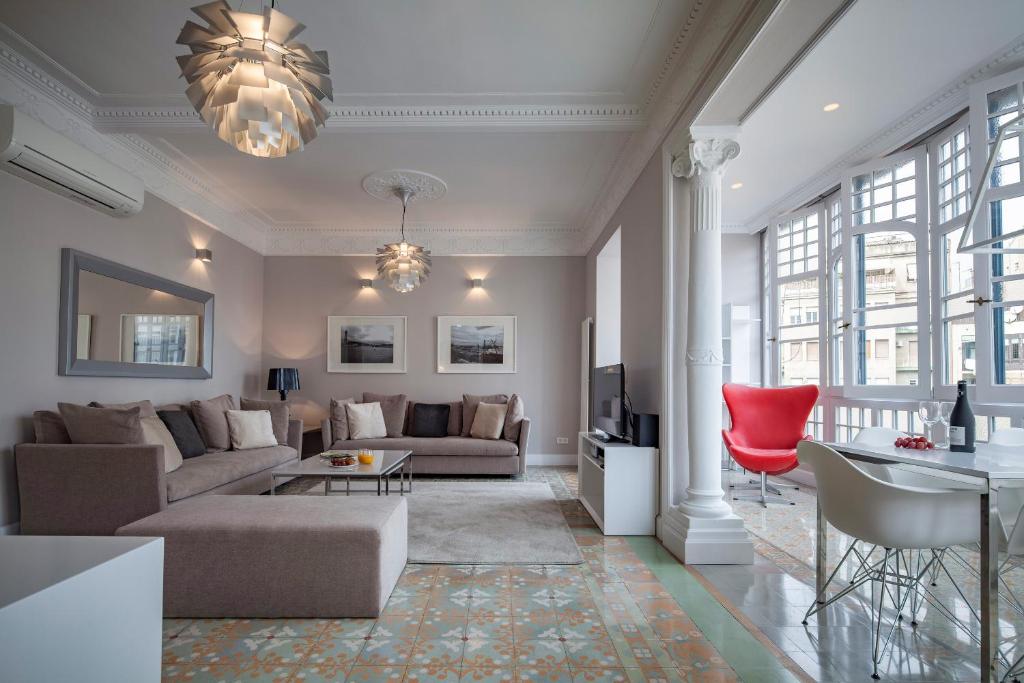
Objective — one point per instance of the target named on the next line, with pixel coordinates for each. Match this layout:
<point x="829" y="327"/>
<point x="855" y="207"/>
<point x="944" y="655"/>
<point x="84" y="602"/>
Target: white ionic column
<point x="702" y="528"/>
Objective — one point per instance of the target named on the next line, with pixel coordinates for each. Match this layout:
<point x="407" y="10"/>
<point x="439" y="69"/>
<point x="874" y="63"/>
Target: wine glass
<point x="931" y="413"/>
<point x="945" y="411"/>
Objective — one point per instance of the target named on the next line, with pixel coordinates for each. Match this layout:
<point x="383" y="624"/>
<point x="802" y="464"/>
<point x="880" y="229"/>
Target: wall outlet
<point x="561" y="439"/>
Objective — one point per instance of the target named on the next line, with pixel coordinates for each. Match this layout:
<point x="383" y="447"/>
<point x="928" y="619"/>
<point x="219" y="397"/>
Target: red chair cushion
<point x="768" y="460"/>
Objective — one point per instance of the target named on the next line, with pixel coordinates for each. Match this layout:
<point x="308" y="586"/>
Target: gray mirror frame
<point x="72" y="262"/>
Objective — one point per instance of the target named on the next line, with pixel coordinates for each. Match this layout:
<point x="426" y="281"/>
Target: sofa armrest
<point x="295" y="435"/>
<point x="524" y="439"/>
<point x="325" y="433"/>
<point x="88" y="490"/>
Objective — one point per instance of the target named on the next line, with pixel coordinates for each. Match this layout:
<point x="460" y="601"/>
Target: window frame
<point x="775" y="281"/>
<point x="919" y="230"/>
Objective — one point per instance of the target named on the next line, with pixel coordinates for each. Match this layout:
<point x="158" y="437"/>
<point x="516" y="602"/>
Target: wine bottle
<point x="961" y="422"/>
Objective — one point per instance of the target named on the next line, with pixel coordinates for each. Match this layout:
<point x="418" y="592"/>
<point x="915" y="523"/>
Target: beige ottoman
<point x="282" y="556"/>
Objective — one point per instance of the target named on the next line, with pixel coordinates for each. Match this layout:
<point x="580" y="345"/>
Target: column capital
<point x="705" y="156"/>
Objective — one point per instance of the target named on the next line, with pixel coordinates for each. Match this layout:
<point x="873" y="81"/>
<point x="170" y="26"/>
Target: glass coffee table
<point x="384" y="465"/>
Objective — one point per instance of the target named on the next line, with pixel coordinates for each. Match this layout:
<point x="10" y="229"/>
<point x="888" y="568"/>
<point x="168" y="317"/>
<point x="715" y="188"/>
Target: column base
<point x="702" y="540"/>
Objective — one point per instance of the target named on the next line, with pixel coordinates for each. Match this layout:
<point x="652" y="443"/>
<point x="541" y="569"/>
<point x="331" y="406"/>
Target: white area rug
<point x="486" y="523"/>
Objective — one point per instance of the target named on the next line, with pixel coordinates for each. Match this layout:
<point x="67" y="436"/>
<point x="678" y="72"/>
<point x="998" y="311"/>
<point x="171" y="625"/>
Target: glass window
<point x="1003" y="106"/>
<point x="885" y="309"/>
<point x="886" y="194"/>
<point x="953" y="183"/>
<point x="1007" y="215"/>
<point x="797" y="245"/>
<point x="797" y="299"/>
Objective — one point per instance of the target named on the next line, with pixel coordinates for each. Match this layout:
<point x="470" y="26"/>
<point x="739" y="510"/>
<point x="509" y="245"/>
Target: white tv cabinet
<point x="618" y="485"/>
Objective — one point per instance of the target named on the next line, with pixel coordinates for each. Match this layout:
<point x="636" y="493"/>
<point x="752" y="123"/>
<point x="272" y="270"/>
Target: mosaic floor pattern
<point x="610" y="619"/>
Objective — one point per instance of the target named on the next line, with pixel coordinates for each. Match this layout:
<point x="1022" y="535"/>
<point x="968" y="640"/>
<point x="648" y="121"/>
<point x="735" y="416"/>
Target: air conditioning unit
<point x="38" y="154"/>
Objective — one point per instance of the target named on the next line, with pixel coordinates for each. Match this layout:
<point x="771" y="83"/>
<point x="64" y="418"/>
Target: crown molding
<point x="948" y="100"/>
<point x="40" y="95"/>
<point x="542" y="239"/>
<point x="709" y="42"/>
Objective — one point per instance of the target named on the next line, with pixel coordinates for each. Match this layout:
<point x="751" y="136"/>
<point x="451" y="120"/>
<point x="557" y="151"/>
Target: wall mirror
<point x="117" y="321"/>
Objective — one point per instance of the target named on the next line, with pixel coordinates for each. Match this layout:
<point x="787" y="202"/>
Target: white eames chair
<point x="895" y="518"/>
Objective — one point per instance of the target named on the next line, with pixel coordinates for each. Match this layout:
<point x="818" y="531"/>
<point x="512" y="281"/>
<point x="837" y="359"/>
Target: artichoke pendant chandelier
<point x="251" y="82"/>
<point x="402" y="265"/>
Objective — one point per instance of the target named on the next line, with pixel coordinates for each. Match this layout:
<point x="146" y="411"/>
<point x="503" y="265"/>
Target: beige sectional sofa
<point x="93" y="489"/>
<point x="452" y="454"/>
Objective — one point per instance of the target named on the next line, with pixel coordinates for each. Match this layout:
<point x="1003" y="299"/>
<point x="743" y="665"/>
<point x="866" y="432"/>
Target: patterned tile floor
<point x="776" y="592"/>
<point x="629" y="613"/>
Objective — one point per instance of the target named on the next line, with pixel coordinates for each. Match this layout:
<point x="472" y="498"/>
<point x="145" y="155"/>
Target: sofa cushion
<point x="154" y="433"/>
<point x="339" y="418"/>
<point x="212" y="422"/>
<point x="279" y="414"/>
<point x="101" y="425"/>
<point x="207" y="472"/>
<point x="455" y="419"/>
<point x="449" y="445"/>
<point x="183" y="430"/>
<point x="469" y="404"/>
<point x="393" y="407"/>
<point x="514" y="418"/>
<point x="365" y="421"/>
<point x="49" y="427"/>
<point x="146" y="408"/>
<point x="430" y="420"/>
<point x="489" y="421"/>
<point x="251" y="429"/>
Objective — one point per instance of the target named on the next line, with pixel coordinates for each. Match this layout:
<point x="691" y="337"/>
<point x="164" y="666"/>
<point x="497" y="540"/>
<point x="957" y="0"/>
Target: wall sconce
<point x="204" y="255"/>
<point x="366" y="283"/>
<point x="477" y="283"/>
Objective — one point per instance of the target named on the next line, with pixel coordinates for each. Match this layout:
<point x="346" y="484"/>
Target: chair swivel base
<point x="767" y="494"/>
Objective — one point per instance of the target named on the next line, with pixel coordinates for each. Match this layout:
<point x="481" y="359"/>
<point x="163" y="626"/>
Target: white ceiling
<point x="539" y="98"/>
<point x="881" y="61"/>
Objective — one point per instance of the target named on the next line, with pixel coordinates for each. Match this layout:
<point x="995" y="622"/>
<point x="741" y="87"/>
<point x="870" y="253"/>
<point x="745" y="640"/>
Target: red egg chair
<point x="767" y="424"/>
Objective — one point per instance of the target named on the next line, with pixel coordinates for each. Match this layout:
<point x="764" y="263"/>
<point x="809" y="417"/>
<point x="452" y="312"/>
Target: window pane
<point x="798" y="316"/>
<point x="959" y="351"/>
<point x="1008" y="339"/>
<point x="888" y="356"/>
<point x="958" y="268"/>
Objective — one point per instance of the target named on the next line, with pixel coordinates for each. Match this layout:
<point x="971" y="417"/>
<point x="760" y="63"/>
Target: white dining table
<point x="989" y="468"/>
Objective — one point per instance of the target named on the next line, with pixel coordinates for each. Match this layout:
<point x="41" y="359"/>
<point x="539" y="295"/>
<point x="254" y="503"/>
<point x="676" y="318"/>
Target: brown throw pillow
<point x="49" y="427"/>
<point x="279" y="414"/>
<point x="455" y="419"/>
<point x="393" y="407"/>
<point x="212" y="422"/>
<point x="86" y="424"/>
<point x="514" y="418"/>
<point x="489" y="421"/>
<point x="469" y="404"/>
<point x="146" y="408"/>
<point x="339" y="420"/>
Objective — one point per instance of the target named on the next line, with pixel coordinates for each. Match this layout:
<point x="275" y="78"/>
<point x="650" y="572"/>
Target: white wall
<point x="608" y="287"/>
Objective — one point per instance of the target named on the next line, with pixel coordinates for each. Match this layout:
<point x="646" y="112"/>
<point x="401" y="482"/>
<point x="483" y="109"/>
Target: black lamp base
<point x="284" y="394"/>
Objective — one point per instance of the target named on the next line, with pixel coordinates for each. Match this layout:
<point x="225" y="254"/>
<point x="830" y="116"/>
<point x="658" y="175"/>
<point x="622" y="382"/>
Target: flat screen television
<point x="608" y="410"/>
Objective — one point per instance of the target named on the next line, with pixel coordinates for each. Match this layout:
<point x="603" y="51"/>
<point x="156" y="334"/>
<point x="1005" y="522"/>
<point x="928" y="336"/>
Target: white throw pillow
<point x="489" y="421"/>
<point x="366" y="421"/>
<point x="155" y="433"/>
<point x="250" y="429"/>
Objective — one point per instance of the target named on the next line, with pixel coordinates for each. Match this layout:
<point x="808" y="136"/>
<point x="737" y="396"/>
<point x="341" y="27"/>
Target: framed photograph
<point x="476" y="343"/>
<point x="366" y="343"/>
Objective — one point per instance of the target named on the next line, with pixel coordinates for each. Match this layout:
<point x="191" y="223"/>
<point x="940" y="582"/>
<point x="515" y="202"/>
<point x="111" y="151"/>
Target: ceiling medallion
<point x="256" y="87"/>
<point x="403" y="266"/>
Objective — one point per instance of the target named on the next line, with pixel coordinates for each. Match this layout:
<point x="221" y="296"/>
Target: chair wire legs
<point x="767" y="492"/>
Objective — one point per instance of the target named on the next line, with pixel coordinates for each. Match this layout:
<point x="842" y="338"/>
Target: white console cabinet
<point x="618" y="485"/>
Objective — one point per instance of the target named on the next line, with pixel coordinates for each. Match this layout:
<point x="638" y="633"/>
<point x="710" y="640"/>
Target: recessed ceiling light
<point x="736" y="186"/>
<point x="831" y="106"/>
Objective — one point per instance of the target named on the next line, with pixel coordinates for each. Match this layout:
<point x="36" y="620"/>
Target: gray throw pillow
<point x="469" y="404"/>
<point x="339" y="420"/>
<point x="212" y="422"/>
<point x="279" y="414"/>
<point x="430" y="420"/>
<point x="86" y="424"/>
<point x="489" y="421"/>
<point x="49" y="427"/>
<point x="393" y="407"/>
<point x="183" y="430"/>
<point x="455" y="419"/>
<point x="514" y="418"/>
